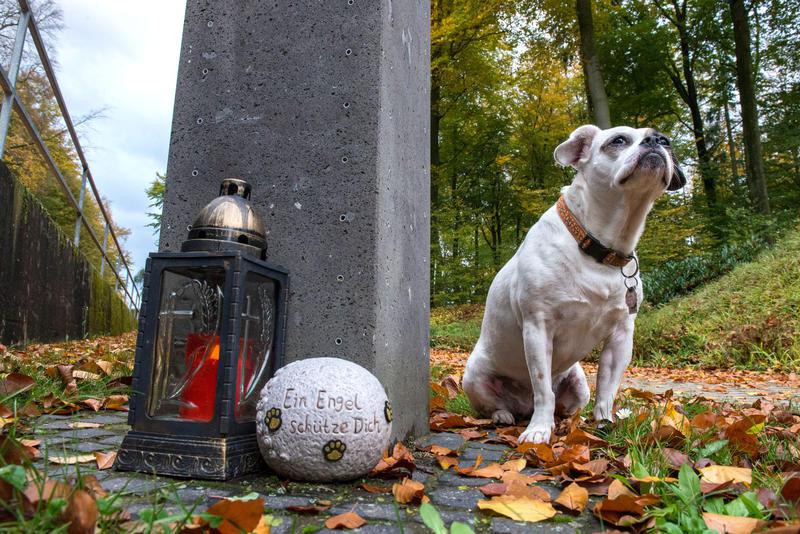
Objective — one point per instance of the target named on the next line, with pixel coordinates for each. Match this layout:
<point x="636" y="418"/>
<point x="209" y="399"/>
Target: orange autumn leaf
<point x="617" y="488"/>
<point x="520" y="489"/>
<point x="116" y="402"/>
<point x="446" y="462"/>
<point x="347" y="520"/>
<point x="728" y="524"/>
<point x="519" y="508"/>
<point x="105" y="460"/>
<point x="581" y="437"/>
<point x="409" y="491"/>
<point x="237" y="515"/>
<point x="81" y="513"/>
<point x="573" y="498"/>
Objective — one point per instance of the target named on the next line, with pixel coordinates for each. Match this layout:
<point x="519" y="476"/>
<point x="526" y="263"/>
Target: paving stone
<point x="88" y="446"/>
<point x="107" y="418"/>
<point x="85" y="433"/>
<point x="113" y="440"/>
<point x="372" y="511"/>
<point x="488" y="455"/>
<point x="136" y="486"/>
<point x="464" y="499"/>
<point x="444" y="439"/>
<point x="281" y="502"/>
<point x="502" y="525"/>
<point x="450" y="479"/>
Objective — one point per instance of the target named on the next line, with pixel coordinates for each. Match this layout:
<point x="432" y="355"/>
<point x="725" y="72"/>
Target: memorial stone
<point x="324" y="108"/>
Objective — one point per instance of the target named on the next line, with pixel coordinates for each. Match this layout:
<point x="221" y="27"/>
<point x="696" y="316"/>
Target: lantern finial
<point x="228" y="222"/>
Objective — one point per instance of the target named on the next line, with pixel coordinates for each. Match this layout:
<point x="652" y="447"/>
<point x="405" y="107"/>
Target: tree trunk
<point x="593" y="74"/>
<point x="747" y="97"/>
<point x="731" y="145"/>
<point x="688" y="94"/>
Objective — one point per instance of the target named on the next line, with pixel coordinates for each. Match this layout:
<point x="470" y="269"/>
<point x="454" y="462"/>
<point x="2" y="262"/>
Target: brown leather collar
<point x="587" y="242"/>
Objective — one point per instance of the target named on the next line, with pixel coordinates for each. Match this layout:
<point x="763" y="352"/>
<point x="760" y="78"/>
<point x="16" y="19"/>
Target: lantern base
<point x="191" y="456"/>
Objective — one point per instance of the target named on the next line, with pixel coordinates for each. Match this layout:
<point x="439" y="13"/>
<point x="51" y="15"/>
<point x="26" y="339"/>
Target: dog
<point x="572" y="284"/>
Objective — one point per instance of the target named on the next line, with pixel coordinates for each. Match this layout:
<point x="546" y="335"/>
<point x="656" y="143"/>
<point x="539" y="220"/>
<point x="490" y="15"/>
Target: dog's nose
<point x="654" y="140"/>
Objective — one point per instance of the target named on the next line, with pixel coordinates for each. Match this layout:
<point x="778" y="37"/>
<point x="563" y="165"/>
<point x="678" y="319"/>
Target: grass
<point x="748" y="319"/>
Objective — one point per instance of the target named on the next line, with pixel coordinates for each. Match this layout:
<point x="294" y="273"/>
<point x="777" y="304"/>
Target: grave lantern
<point x="211" y="332"/>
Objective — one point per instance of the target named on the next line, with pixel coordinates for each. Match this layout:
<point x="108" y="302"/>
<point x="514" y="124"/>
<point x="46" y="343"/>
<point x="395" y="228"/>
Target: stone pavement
<point x="454" y="496"/>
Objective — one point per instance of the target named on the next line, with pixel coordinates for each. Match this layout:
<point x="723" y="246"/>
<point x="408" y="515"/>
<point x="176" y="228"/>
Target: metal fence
<point x="8" y="79"/>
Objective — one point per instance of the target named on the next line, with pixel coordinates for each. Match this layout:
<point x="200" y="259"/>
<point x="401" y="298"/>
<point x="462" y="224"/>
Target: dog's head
<point x="623" y="157"/>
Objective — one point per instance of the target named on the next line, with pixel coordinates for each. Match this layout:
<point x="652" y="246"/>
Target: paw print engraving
<point x="387" y="412"/>
<point x="273" y="419"/>
<point x="334" y="450"/>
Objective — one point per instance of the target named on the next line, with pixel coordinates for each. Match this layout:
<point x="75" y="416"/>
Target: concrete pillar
<point x="323" y="106"/>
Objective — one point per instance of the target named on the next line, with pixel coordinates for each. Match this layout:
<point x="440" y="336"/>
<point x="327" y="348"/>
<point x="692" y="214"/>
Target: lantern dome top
<point x="228" y="222"/>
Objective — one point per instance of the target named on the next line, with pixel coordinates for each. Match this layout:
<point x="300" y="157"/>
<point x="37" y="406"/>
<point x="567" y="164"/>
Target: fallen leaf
<point x="519" y="508"/>
<point x="92" y="404"/>
<point x="446" y="462"/>
<point x="441" y="451"/>
<point x="623" y="510"/>
<point x="237" y="515"/>
<point x="791" y="490"/>
<point x="617" y="488"/>
<point x="15" y="383"/>
<point x="38" y="491"/>
<point x="71" y="459"/>
<point x="372" y="488"/>
<point x="520" y="489"/>
<point x="316" y="508"/>
<point x="116" y="402"/>
<point x="581" y="437"/>
<point x="574" y="498"/>
<point x="84" y="424"/>
<point x="105" y="460"/>
<point x="728" y="524"/>
<point x="399" y="464"/>
<point x="493" y="489"/>
<point x="408" y="491"/>
<point x="675" y="458"/>
<point x="450" y="383"/>
<point x="85" y="375"/>
<point x="719" y="474"/>
<point x="347" y="520"/>
<point x="65" y="373"/>
<point x="105" y="366"/>
<point x="81" y="513"/>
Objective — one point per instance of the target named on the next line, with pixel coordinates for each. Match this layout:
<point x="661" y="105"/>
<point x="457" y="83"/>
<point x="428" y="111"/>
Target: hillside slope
<point x="748" y="318"/>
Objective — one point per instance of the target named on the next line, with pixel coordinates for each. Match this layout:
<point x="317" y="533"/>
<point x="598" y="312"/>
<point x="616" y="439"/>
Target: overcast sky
<point x="122" y="56"/>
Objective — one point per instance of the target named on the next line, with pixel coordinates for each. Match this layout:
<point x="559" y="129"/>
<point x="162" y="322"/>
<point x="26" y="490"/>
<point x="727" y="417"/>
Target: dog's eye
<point x="619" y="140"/>
<point x="663" y="141"/>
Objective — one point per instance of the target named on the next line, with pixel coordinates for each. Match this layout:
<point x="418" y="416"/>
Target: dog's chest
<point x="588" y="313"/>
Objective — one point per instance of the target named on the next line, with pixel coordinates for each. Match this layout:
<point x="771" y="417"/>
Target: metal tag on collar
<point x="631" y="299"/>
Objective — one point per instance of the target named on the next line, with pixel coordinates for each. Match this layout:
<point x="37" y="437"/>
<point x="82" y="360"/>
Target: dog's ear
<point x="576" y="148"/>
<point x="678" y="179"/>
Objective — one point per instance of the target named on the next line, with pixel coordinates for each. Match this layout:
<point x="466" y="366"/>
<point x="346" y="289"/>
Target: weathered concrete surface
<point x="323" y="107"/>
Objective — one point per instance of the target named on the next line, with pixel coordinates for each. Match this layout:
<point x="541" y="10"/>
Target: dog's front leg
<point x="614" y="359"/>
<point x="538" y="356"/>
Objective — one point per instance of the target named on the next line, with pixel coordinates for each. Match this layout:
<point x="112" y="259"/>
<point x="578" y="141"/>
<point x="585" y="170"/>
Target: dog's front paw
<point x="502" y="417"/>
<point x="536" y="434"/>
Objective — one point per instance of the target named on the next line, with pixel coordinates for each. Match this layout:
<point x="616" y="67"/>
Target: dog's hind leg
<point x="484" y="393"/>
<point x="571" y="391"/>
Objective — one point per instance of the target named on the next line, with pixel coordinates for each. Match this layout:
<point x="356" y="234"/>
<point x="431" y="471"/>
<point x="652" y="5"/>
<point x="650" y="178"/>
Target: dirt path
<point x="723" y="385"/>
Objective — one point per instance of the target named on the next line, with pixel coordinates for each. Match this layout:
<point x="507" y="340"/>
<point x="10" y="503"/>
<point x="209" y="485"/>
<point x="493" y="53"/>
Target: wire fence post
<point x="103" y="255"/>
<point x="77" y="239"/>
<point x="13" y="71"/>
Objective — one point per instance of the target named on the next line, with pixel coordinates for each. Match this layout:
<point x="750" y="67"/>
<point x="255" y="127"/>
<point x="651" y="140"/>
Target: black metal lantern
<point x="211" y="331"/>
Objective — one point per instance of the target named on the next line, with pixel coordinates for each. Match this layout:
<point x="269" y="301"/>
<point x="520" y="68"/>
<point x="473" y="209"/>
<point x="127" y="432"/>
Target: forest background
<point x="510" y="79"/>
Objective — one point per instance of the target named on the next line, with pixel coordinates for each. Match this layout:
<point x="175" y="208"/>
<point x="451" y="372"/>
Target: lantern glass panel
<point x="256" y="342"/>
<point x="187" y="347"/>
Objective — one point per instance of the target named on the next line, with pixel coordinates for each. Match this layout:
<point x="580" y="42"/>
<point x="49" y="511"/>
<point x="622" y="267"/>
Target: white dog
<point x="572" y="284"/>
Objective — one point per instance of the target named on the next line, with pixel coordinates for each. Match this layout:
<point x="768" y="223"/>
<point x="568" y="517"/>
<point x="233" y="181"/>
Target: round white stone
<point x="323" y="419"/>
